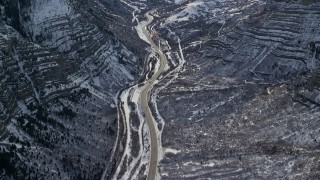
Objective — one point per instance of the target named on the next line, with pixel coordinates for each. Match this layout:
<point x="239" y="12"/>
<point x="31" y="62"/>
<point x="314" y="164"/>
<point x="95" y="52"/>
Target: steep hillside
<point x="61" y="65"/>
<point x="238" y="97"/>
<point x="245" y="104"/>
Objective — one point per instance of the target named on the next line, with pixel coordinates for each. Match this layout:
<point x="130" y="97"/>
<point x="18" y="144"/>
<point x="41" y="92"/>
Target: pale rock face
<point x="42" y="11"/>
<point x="50" y="23"/>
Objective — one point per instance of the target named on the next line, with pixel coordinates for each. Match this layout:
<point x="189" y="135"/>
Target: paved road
<point x="145" y="99"/>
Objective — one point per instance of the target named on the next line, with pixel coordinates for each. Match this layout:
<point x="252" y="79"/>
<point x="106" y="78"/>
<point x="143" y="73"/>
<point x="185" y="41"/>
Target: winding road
<point x="133" y="158"/>
<point x="145" y="94"/>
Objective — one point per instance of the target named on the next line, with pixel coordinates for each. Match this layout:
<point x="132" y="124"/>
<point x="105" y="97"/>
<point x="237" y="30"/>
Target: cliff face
<point x="245" y="104"/>
<point x="61" y="65"/>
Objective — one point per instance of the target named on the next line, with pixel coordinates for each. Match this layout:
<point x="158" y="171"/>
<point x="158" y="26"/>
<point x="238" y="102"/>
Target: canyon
<point x="183" y="89"/>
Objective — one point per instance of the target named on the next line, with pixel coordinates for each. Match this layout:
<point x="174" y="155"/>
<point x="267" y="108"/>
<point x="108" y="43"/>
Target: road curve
<point x="145" y="94"/>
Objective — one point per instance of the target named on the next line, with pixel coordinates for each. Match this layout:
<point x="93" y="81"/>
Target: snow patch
<point x="139" y="30"/>
<point x="173" y="151"/>
<point x="23" y="107"/>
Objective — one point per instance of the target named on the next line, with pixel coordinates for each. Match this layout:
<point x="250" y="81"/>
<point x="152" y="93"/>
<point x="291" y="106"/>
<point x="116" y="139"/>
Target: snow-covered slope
<point x="239" y="98"/>
<point x="60" y="71"/>
<point x="245" y="104"/>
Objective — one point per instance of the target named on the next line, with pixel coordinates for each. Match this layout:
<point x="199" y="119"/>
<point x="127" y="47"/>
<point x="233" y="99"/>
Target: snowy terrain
<point x="60" y="73"/>
<point x="238" y="97"/>
<point x="240" y="107"/>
